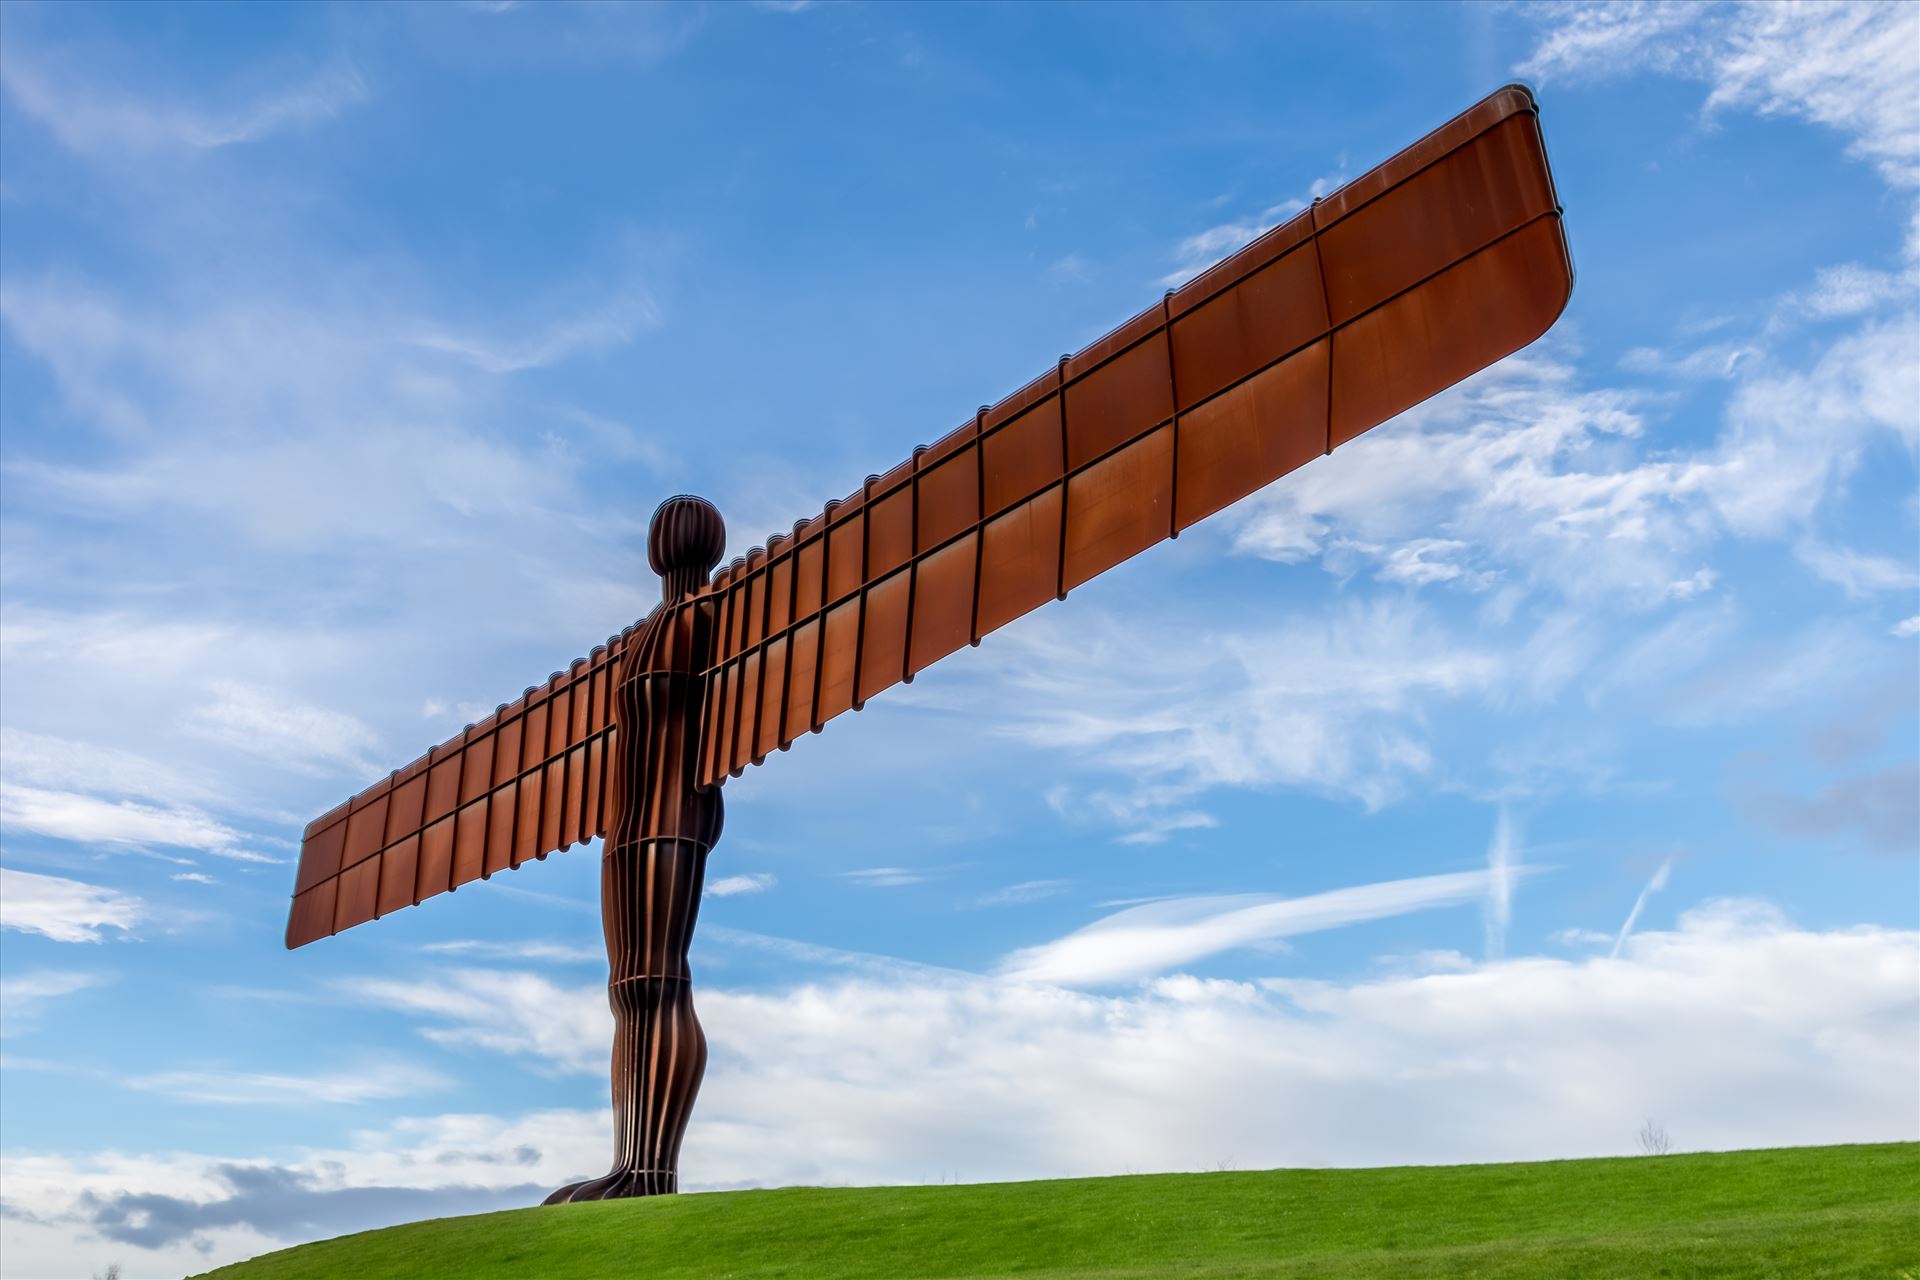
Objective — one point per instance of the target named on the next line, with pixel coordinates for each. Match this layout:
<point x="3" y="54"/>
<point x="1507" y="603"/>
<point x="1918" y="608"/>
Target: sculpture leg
<point x="650" y="896"/>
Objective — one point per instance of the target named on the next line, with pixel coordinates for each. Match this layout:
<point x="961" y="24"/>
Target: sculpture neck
<point x="677" y="584"/>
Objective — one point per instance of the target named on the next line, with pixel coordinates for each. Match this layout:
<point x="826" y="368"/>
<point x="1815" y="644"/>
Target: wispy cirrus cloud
<point x="1849" y="66"/>
<point x="88" y="819"/>
<point x="1159" y="937"/>
<point x="24" y="996"/>
<point x="1858" y="573"/>
<point x="93" y="118"/>
<point x="1197" y="252"/>
<point x="62" y="909"/>
<point x="733" y="886"/>
<point x="1655" y="884"/>
<point x="494" y="949"/>
<point x="369" y="1082"/>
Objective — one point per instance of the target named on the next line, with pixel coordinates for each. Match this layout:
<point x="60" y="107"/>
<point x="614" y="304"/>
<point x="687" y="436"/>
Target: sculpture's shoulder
<point x="675" y="638"/>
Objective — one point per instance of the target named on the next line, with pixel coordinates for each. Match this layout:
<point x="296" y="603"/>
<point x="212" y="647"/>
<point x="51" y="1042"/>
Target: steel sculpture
<point x="1437" y="263"/>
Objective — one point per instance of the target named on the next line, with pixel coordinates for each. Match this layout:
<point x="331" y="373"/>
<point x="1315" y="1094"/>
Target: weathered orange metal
<point x="1424" y="270"/>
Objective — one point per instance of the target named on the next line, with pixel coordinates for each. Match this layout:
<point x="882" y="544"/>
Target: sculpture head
<point x="684" y="542"/>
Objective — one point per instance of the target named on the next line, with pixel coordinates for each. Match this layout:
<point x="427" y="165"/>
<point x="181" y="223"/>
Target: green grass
<point x="1811" y="1211"/>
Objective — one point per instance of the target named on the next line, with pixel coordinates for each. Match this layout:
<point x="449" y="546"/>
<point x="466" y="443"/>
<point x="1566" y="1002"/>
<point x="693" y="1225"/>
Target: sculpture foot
<point x="621" y="1184"/>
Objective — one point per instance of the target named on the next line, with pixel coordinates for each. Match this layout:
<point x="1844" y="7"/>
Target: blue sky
<point x="1541" y="763"/>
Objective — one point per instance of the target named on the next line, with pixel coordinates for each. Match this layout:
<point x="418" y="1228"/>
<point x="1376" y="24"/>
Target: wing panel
<point x="1443" y="259"/>
<point x="1252" y="434"/>
<point x="454" y="814"/>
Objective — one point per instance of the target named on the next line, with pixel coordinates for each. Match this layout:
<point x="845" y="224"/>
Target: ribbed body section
<point x="660" y="830"/>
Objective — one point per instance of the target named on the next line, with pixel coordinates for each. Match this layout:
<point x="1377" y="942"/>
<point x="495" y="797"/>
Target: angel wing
<point x="1430" y="267"/>
<point x="1446" y="258"/>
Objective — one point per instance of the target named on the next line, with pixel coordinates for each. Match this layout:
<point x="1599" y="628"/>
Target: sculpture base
<point x="621" y="1184"/>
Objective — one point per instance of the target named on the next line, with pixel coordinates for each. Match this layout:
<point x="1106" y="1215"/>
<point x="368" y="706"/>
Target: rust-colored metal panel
<point x="533" y="732"/>
<point x="846" y="556"/>
<point x="443" y="781"/>
<point x="747" y="712"/>
<point x="779" y="595"/>
<point x="802" y="680"/>
<point x="1114" y="402"/>
<point x="404" y="804"/>
<point x="502" y="818"/>
<point x="553" y="803"/>
<point x="773" y="701"/>
<point x="883" y="637"/>
<point x="1024" y="456"/>
<point x="943" y="602"/>
<point x="506" y="749"/>
<point x="526" y="818"/>
<point x="1241" y="329"/>
<point x="436" y="858"/>
<point x="359" y="887"/>
<point x="366" y="830"/>
<point x="1448" y="211"/>
<point x="596" y="788"/>
<point x="470" y="842"/>
<point x="476" y="768"/>
<point x="889" y="531"/>
<point x="398" y="867"/>
<point x="1118" y="507"/>
<point x="839" y="651"/>
<point x="1253" y="434"/>
<point x="949" y="499"/>
<point x="1020" y="561"/>
<point x="320" y="855"/>
<point x="1460" y="321"/>
<point x="809" y="574"/>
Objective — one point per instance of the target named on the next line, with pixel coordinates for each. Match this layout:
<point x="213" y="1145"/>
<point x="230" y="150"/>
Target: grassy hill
<point x="1814" y="1211"/>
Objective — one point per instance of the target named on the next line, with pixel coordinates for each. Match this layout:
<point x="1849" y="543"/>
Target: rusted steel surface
<point x="1424" y="270"/>
<point x="1411" y="277"/>
<point x="660" y="829"/>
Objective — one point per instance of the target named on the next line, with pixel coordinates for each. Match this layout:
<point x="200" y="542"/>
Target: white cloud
<point x="588" y="331"/>
<point x="83" y="819"/>
<point x="1907" y="627"/>
<point x="23" y="996"/>
<point x="1166" y="935"/>
<point x="1197" y="252"/>
<point x="1025" y="891"/>
<point x="1792" y="434"/>
<point x="1851" y="289"/>
<point x="43" y="760"/>
<point x="559" y="952"/>
<point x="731" y="886"/>
<point x="1328" y="702"/>
<point x="92" y="118"/>
<point x="1736" y="1027"/>
<point x="1655" y="884"/>
<point x="1503" y="875"/>
<point x="64" y="910"/>
<point x="886" y="877"/>
<point x="369" y="1082"/>
<point x="1850" y="66"/>
<point x="505" y="1013"/>
<point x="1856" y="572"/>
<point x="1519" y="475"/>
<point x="293" y="735"/>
